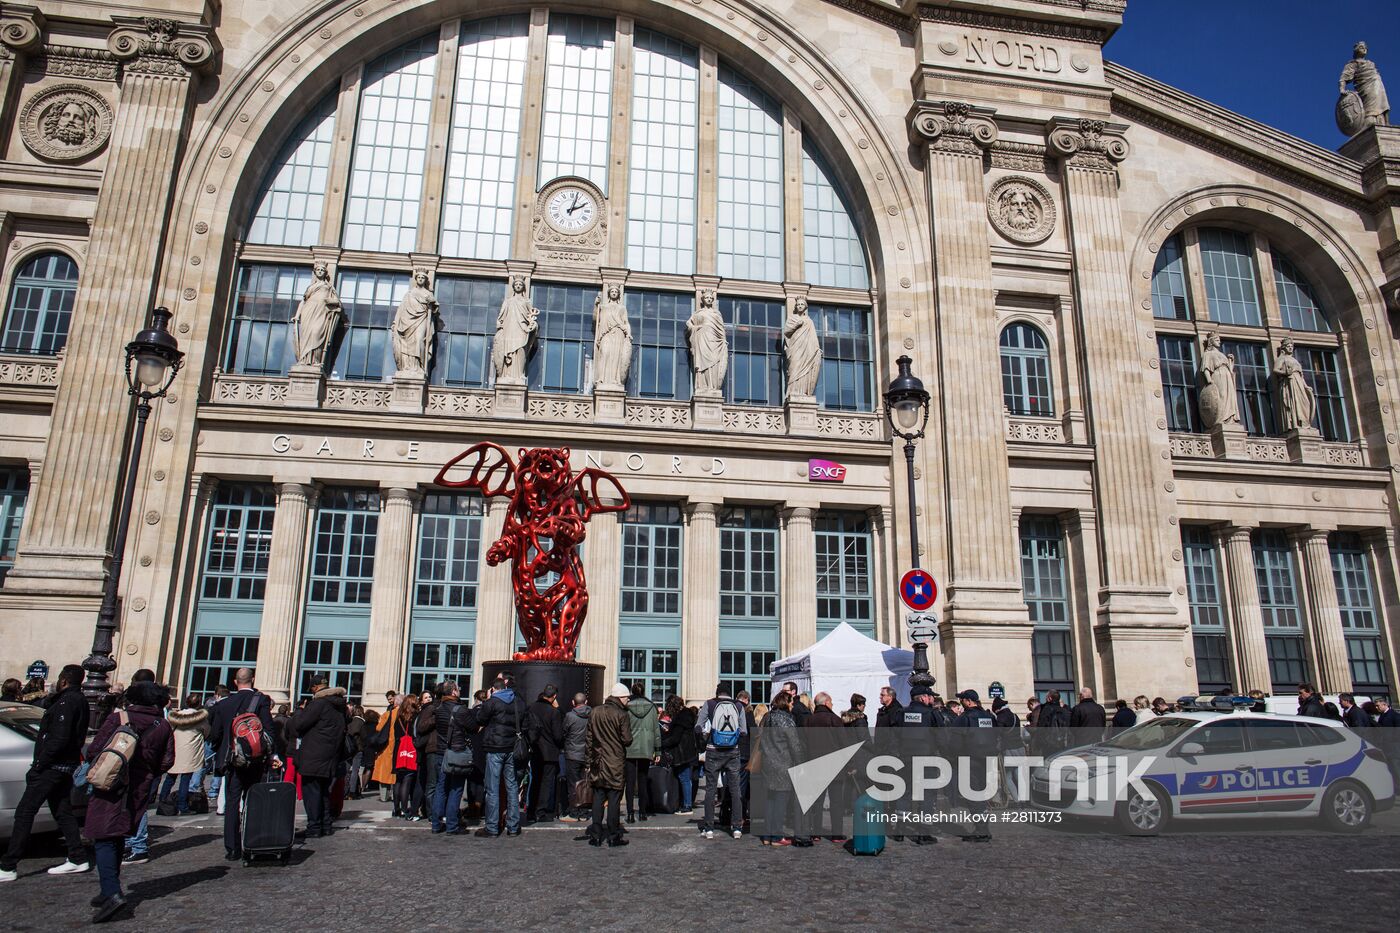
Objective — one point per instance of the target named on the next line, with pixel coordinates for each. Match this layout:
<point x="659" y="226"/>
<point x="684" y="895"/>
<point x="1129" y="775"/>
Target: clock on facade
<point x="571" y="209"/>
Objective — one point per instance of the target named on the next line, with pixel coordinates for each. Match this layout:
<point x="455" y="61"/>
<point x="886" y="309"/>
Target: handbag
<point x="456" y="763"/>
<point x="406" y="758"/>
<point x="583" y="793"/>
<point x="521" y="752"/>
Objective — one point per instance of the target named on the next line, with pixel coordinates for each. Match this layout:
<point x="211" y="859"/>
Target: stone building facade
<point x="1107" y="500"/>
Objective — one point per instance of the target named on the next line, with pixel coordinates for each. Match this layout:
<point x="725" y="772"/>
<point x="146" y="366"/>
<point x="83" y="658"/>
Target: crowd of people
<point x="496" y="761"/>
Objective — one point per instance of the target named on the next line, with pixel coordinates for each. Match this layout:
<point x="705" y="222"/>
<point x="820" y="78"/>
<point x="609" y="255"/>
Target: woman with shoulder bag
<point x="114" y="813"/>
<point x="406" y="762"/>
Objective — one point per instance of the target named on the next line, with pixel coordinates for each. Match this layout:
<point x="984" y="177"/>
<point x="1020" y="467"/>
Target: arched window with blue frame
<point x="41" y="305"/>
<point x="1025" y="371"/>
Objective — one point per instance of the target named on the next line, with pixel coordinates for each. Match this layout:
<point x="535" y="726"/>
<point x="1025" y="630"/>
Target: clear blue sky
<point x="1275" y="61"/>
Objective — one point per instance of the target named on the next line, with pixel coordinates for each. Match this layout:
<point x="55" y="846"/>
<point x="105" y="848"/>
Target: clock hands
<point x="576" y="205"/>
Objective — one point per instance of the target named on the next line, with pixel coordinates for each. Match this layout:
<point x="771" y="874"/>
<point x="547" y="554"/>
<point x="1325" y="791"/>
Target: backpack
<point x="1054" y="731"/>
<point x="726" y="723"/>
<point x="520" y="753"/>
<point x="406" y="758"/>
<point x="248" y="743"/>
<point x="108" y="770"/>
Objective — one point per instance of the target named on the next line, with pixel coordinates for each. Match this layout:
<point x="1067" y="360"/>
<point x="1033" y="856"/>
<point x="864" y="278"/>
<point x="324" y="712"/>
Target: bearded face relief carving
<point x="65" y="123"/>
<point x="1021" y="209"/>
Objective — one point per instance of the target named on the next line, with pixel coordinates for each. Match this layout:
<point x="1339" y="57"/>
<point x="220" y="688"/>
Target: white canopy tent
<point x="846" y="662"/>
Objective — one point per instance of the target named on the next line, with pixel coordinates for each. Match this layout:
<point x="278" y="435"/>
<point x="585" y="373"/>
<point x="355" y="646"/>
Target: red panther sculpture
<point x="550" y="505"/>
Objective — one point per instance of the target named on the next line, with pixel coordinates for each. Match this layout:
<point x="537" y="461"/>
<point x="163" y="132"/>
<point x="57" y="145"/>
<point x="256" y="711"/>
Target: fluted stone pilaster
<point x="286" y="589"/>
<point x="700" y="628"/>
<point x="1246" y="618"/>
<point x="71" y="515"/>
<point x="602" y="567"/>
<point x="388" y="613"/>
<point x="1328" y="638"/>
<point x="495" y="613"/>
<point x="799" y="581"/>
<point x="21" y="31"/>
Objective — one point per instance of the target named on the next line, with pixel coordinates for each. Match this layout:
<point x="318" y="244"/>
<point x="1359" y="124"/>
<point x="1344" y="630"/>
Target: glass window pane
<point x="750" y="180"/>
<point x="1177" y="362"/>
<point x="364" y="350"/>
<point x="40" y="308"/>
<point x="577" y="99"/>
<point x="265" y="299"/>
<point x="1252" y="386"/>
<point x="755" y="330"/>
<point x="14" y="494"/>
<point x="661" y="189"/>
<point x="294" y="192"/>
<point x="1297" y="303"/>
<point x="831" y="248"/>
<point x="466" y="328"/>
<point x="1025" y="371"/>
<point x="1227" y="261"/>
<point x="562" y="358"/>
<point x="1170" y="297"/>
<point x="844" y="383"/>
<point x="479" y="199"/>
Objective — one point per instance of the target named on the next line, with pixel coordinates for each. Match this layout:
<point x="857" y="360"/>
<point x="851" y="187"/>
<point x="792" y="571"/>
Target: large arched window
<point x="1230" y="297"/>
<point x="1025" y="371"/>
<point x="41" y="305"/>
<point x="457" y="177"/>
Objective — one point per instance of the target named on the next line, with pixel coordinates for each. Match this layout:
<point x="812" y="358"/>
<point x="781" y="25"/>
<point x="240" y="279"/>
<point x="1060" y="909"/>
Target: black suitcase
<point x="269" y="821"/>
<point x="665" y="789"/>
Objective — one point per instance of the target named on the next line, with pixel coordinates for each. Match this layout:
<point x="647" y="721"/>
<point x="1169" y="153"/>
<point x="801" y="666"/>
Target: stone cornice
<point x="1143" y="100"/>
<point x="953" y="126"/>
<point x="1087" y="144"/>
<point x="1005" y="22"/>
<point x="21" y="28"/>
<point x="147" y="45"/>
<point x="879" y="12"/>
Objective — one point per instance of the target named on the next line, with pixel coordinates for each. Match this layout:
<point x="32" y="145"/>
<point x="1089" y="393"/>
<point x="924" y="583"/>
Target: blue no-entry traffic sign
<point x="918" y="589"/>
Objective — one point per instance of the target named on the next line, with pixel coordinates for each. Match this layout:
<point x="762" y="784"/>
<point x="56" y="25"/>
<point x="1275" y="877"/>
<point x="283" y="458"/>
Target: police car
<point x="1212" y="764"/>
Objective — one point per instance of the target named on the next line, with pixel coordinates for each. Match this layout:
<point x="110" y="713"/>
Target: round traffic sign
<point x="918" y="589"/>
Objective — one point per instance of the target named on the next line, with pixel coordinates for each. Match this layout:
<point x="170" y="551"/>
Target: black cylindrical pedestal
<point x="531" y="677"/>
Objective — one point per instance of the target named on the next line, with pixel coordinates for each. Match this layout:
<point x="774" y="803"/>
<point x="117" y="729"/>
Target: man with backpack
<point x="507" y="735"/>
<point x="1051" y="733"/>
<point x="241" y="734"/>
<point x="57" y="752"/>
<point x="723" y="725"/>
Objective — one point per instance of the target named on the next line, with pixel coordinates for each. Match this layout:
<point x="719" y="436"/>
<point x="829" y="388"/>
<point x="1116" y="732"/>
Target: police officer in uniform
<point x="977" y="745"/>
<point x="919" y="714"/>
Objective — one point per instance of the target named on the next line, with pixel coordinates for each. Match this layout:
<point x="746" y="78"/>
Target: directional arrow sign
<point x="921" y="626"/>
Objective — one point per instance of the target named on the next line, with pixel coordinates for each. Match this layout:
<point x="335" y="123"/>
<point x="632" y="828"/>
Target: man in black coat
<point x="544" y="757"/>
<point x="500" y="718"/>
<point x="321" y="728"/>
<point x="890" y="709"/>
<point x="57" y="751"/>
<point x="1309" y="703"/>
<point x="1088" y="714"/>
<point x="977" y="749"/>
<point x="1353" y="715"/>
<point x="238" y="780"/>
<point x="449" y="695"/>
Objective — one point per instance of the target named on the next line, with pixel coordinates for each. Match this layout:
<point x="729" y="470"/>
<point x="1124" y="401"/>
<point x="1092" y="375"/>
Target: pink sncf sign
<point x="825" y="471"/>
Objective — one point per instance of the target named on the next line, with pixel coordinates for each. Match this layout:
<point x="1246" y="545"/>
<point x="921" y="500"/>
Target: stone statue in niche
<point x="516" y="325"/>
<point x="1218" y="403"/>
<point x="1297" y="400"/>
<point x="316" y="318"/>
<point x="804" y="352"/>
<point x="1366" y="103"/>
<point x="612" y="339"/>
<point x="414" y="327"/>
<point x="709" y="346"/>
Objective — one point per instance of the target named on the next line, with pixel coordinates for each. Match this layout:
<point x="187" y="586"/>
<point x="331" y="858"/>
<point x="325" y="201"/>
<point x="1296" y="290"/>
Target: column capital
<point x="21" y="28"/>
<point x="799" y="513"/>
<point x="400" y="494"/>
<point x="306" y="492"/>
<point x="1304" y="534"/>
<point x="154" y="46"/>
<point x="953" y="126"/>
<point x="700" y="509"/>
<point x="1231" y="532"/>
<point x="1088" y="144"/>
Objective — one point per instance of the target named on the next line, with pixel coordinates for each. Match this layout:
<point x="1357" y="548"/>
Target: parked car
<point x="1210" y="765"/>
<point x="19" y="728"/>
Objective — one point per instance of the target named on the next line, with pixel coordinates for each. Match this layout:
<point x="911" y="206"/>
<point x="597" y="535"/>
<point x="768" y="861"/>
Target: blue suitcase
<point x="868" y="827"/>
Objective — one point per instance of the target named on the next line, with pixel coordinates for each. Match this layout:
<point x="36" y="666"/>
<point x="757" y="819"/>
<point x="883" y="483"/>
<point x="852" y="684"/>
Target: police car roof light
<point x="1215" y="704"/>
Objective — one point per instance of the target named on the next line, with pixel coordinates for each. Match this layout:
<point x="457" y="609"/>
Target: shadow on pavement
<point x="156" y="888"/>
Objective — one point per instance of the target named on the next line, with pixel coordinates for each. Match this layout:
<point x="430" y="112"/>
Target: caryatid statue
<point x="709" y="345"/>
<point x="516" y="325"/>
<point x="316" y="318"/>
<point x="1218" y="402"/>
<point x="1366" y="104"/>
<point x="414" y="327"/>
<point x="804" y="352"/>
<point x="612" y="339"/>
<point x="1297" y="400"/>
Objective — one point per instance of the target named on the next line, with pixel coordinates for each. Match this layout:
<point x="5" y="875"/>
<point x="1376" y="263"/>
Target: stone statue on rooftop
<point x="1365" y="104"/>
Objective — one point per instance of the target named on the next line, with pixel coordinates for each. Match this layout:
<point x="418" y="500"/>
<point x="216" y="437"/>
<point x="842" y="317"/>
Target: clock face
<point x="571" y="209"/>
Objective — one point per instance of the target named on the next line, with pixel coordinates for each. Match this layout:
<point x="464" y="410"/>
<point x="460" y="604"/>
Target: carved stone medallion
<point x="1021" y="209"/>
<point x="65" y="123"/>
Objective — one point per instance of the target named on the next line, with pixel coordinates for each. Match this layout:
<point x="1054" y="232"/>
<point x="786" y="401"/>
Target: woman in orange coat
<point x="384" y="762"/>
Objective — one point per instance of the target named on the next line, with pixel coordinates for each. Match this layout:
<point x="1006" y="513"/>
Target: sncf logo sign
<point x="825" y="471"/>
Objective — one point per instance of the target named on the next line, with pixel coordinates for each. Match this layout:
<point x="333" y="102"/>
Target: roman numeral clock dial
<point x="571" y="210"/>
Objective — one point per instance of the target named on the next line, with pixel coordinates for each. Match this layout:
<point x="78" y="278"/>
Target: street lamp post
<point x="153" y="358"/>
<point x="906" y="407"/>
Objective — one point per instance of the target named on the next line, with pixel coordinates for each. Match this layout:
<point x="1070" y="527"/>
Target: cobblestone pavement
<point x="387" y="875"/>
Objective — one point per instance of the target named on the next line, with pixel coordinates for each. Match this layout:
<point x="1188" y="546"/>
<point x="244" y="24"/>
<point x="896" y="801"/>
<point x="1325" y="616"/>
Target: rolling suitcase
<point x="868" y="829"/>
<point x="269" y="820"/>
<point x="665" y="792"/>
